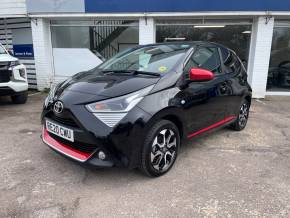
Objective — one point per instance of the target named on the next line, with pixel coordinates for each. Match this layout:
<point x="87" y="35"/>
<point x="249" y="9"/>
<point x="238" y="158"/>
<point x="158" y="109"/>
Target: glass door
<point x="279" y="67"/>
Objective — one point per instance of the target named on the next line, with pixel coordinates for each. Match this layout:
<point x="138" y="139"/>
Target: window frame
<point x="238" y="60"/>
<point x="195" y="49"/>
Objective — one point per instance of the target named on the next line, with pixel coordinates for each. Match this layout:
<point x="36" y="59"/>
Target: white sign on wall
<point x="69" y="61"/>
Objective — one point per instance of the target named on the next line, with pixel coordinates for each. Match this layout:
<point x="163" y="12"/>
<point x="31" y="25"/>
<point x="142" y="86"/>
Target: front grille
<point x="4" y="65"/>
<point x="66" y="120"/>
<point x="5" y="76"/>
<point x="83" y="147"/>
<point x="6" y="91"/>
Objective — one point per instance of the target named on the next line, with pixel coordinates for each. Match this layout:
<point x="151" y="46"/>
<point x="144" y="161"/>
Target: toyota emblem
<point x="58" y="107"/>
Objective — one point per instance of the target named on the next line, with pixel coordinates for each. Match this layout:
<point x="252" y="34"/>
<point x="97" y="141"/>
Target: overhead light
<point x="209" y="26"/>
<point x="247" y="32"/>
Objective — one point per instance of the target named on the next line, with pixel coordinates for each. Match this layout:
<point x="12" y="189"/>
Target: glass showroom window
<point x="279" y="68"/>
<point x="236" y="36"/>
<point x="82" y="45"/>
<point x="105" y="38"/>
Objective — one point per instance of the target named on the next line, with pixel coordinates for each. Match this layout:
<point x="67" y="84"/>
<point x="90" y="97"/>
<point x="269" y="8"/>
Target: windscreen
<point x="2" y="50"/>
<point x="156" y="58"/>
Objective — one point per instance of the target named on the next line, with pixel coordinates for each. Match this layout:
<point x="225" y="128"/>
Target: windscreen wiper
<point x="136" y="72"/>
<point x="133" y="72"/>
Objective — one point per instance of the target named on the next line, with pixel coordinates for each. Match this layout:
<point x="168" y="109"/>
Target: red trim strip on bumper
<point x="226" y="120"/>
<point x="62" y="148"/>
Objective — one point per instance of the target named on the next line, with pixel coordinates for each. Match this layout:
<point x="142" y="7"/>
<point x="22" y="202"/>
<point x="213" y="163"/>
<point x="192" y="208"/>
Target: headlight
<point x="113" y="110"/>
<point x="22" y="73"/>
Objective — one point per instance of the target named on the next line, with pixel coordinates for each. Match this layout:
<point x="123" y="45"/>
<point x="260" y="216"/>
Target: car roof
<point x="191" y="43"/>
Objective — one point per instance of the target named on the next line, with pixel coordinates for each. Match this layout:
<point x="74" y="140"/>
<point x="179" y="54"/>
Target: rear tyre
<point x="243" y="116"/>
<point x="20" y="98"/>
<point x="160" y="149"/>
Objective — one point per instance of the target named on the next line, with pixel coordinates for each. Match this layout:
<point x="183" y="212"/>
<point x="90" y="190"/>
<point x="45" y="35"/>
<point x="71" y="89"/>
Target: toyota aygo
<point x="135" y="109"/>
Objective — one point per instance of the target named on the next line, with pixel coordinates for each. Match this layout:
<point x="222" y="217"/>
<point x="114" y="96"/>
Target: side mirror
<point x="198" y="74"/>
<point x="10" y="52"/>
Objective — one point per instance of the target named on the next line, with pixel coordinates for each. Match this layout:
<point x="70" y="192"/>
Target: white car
<point x="13" y="77"/>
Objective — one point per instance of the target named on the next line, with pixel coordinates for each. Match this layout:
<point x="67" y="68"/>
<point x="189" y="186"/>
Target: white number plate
<point x="60" y="131"/>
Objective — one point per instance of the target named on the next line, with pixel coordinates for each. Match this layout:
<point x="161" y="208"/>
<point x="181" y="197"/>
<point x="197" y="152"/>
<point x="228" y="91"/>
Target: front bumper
<point x="121" y="144"/>
<point x="11" y="80"/>
<point x="72" y="153"/>
<point x="13" y="88"/>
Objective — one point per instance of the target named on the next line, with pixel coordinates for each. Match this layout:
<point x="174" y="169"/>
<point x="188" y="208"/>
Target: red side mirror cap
<point x="198" y="74"/>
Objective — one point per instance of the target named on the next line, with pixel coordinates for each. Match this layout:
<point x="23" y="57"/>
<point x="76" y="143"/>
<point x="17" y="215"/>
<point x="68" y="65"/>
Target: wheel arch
<point x="171" y="114"/>
<point x="176" y="120"/>
<point x="248" y="98"/>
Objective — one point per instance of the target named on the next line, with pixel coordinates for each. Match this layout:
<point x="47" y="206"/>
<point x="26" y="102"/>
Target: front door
<point x="205" y="102"/>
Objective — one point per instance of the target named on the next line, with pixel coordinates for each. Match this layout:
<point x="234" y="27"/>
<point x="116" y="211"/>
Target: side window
<point x="206" y="58"/>
<point x="226" y="55"/>
<point x="231" y="61"/>
<point x="190" y="64"/>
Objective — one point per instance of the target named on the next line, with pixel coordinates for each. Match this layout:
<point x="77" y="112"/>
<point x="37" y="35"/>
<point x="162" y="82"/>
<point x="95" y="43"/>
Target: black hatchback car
<point x="135" y="109"/>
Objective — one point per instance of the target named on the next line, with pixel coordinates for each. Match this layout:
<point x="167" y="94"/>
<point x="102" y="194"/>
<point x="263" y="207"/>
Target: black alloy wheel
<point x="243" y="116"/>
<point x="160" y="148"/>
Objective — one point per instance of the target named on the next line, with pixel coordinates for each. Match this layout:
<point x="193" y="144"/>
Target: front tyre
<point x="160" y="148"/>
<point x="19" y="98"/>
<point x="243" y="116"/>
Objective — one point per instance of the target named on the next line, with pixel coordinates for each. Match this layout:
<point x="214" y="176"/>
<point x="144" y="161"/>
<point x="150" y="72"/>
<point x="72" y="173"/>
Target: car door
<point x="205" y="104"/>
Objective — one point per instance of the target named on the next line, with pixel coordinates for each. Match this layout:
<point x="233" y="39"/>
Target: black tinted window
<point x="206" y="58"/>
<point x="225" y="54"/>
<point x="231" y="62"/>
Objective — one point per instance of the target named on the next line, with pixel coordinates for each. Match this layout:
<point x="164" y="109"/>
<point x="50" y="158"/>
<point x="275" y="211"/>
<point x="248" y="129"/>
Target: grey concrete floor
<point x="226" y="174"/>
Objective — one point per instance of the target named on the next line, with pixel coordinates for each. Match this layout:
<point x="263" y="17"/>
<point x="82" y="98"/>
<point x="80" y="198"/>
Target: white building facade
<point x="69" y="36"/>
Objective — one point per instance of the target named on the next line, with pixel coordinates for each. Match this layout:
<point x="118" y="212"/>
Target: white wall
<point x="147" y="31"/>
<point x="42" y="52"/>
<point x="55" y="6"/>
<point x="10" y="8"/>
<point x="67" y="62"/>
<point x="259" y="58"/>
<point x="67" y="37"/>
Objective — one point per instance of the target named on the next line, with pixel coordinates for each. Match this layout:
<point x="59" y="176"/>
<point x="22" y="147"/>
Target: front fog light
<point x="101" y="155"/>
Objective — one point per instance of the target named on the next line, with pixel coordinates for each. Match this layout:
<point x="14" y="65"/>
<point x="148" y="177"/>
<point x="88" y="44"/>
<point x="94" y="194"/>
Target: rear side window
<point x="225" y="55"/>
<point x="205" y="57"/>
<point x="231" y="61"/>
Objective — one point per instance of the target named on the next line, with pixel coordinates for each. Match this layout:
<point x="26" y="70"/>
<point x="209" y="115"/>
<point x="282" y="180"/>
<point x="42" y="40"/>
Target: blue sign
<point x="118" y="6"/>
<point x="23" y="51"/>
